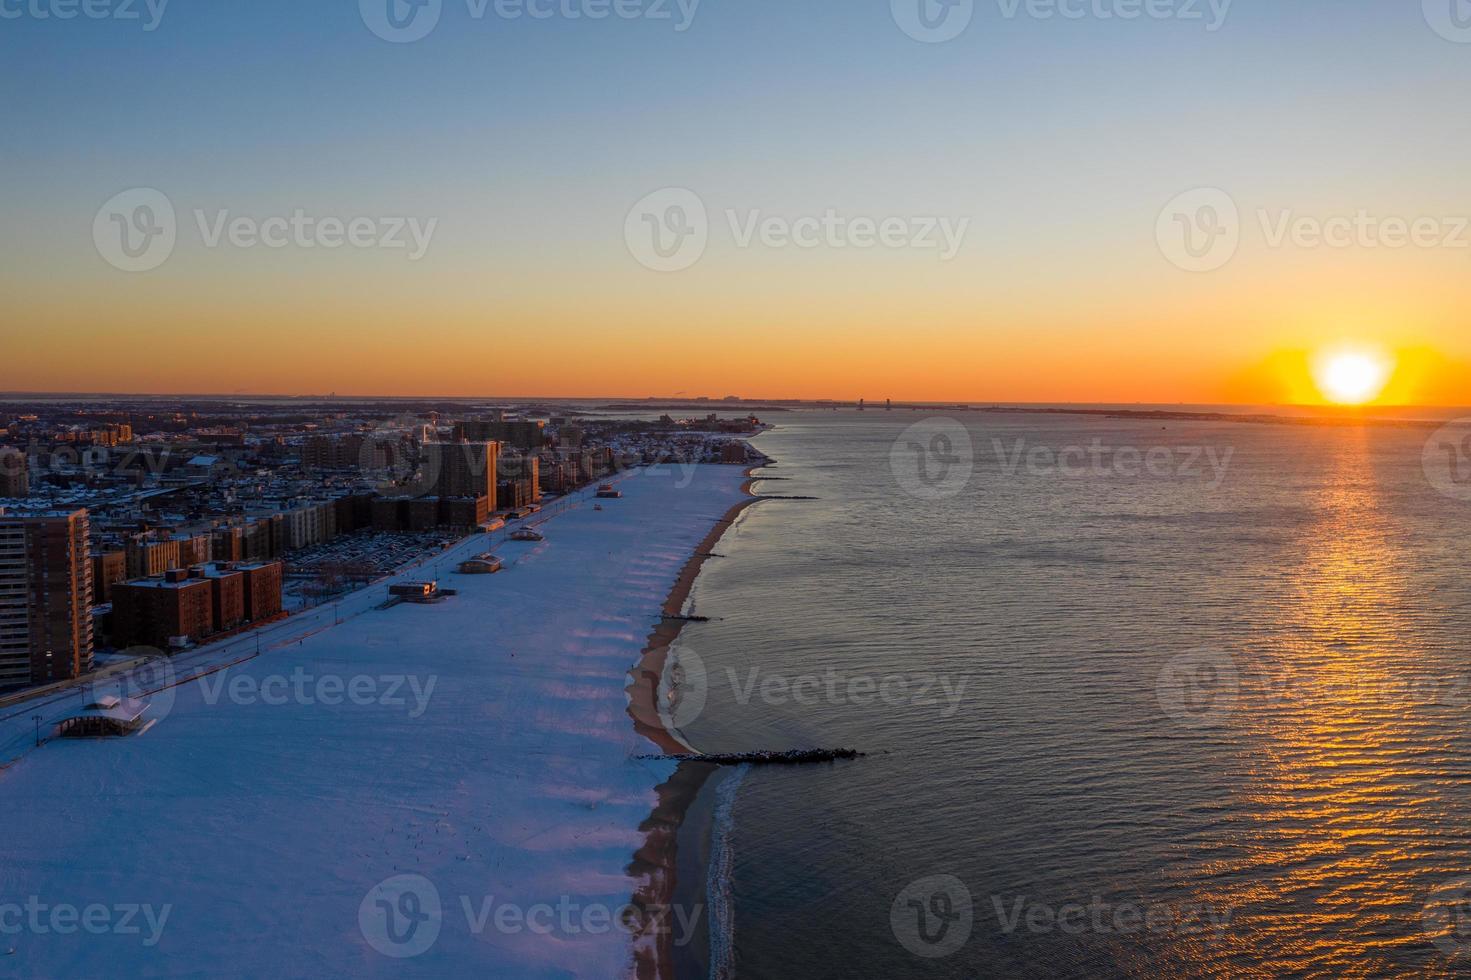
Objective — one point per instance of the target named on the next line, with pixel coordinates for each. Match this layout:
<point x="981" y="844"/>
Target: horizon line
<point x="6" y="396"/>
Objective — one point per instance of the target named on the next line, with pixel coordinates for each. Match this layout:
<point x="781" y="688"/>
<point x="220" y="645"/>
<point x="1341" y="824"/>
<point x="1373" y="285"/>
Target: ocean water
<point x="1123" y="720"/>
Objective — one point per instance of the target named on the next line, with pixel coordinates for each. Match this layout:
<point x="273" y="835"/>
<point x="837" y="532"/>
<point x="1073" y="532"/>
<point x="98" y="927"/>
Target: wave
<point x="719" y="880"/>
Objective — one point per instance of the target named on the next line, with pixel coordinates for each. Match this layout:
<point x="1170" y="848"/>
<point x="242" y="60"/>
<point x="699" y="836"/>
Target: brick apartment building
<point x="428" y="513"/>
<point x="109" y="567"/>
<point x="227" y="595"/>
<point x="165" y="613"/>
<point x="189" y="605"/>
<point x="262" y="590"/>
<point x="460" y="469"/>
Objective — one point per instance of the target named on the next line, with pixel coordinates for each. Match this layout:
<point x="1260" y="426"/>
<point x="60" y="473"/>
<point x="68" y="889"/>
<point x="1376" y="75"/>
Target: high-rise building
<point x="527" y="434"/>
<point x="333" y="453"/>
<point x="45" y="598"/>
<point x="460" y="469"/>
<point x="522" y="470"/>
<point x="14" y="477"/>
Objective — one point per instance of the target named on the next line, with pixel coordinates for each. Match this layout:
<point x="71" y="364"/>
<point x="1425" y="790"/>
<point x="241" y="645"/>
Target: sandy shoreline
<point x="643" y="691"/>
<point x="656" y="862"/>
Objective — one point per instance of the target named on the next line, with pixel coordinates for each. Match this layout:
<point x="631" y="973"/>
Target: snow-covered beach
<point x="426" y="790"/>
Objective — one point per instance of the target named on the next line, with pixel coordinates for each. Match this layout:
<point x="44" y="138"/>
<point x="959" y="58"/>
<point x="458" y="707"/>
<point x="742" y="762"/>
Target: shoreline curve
<point x="656" y="862"/>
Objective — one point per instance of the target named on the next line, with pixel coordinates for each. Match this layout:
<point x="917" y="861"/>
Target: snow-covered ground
<point x="265" y="824"/>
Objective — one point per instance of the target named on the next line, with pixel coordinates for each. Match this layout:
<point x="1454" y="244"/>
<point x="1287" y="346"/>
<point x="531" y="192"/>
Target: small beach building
<point x="415" y="591"/>
<point x="486" y="564"/>
<point x="107" y="717"/>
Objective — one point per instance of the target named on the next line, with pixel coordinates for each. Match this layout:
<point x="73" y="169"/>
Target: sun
<point x="1351" y="376"/>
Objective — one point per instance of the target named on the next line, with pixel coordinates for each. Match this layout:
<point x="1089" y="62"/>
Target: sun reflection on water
<point x="1324" y="855"/>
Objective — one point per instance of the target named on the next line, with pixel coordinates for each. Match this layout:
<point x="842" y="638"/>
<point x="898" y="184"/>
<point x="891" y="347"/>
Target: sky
<point x="1018" y="202"/>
